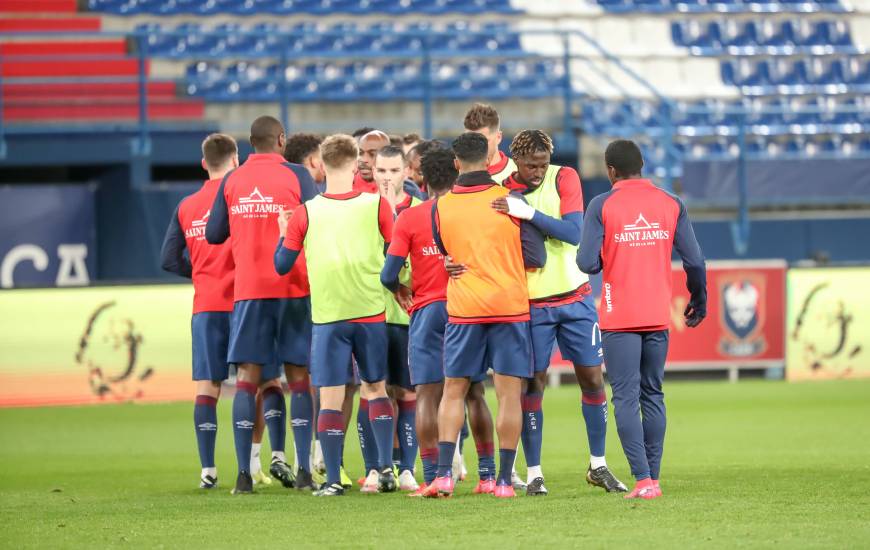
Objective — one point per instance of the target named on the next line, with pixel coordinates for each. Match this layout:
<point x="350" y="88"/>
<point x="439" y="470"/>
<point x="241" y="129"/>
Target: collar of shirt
<point x="471" y="179"/>
<point x="404" y="204"/>
<point x="499" y="164"/>
<point x="342" y="196"/>
<point x="265" y="157"/>
<point x="632" y="183"/>
<point x="514" y="184"/>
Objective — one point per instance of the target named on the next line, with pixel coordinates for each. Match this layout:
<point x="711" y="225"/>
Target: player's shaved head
<point x="471" y="150"/>
<point x="439" y="170"/>
<point x="267" y="135"/>
<point x="218" y="150"/>
<point x="339" y="151"/>
<point x="360" y="132"/>
<point x="369" y="145"/>
<point x="623" y="159"/>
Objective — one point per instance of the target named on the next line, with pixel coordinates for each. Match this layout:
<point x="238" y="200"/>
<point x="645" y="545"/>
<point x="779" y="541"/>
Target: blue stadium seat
<point x="788" y="73"/>
<point x="776" y="35"/>
<point x="735" y="34"/>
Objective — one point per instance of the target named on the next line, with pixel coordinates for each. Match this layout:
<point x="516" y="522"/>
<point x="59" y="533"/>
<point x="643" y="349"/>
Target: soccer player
<point x="369" y="145"/>
<point x="211" y="268"/>
<point x="488" y="309"/>
<point x="344" y="233"/>
<point x="270" y="312"/>
<point x="484" y="120"/>
<point x="412" y="235"/>
<point x="390" y="173"/>
<point x="629" y="233"/>
<point x="562" y="309"/>
<point x="304" y="149"/>
<point x="409" y="141"/>
<point x="414" y="157"/>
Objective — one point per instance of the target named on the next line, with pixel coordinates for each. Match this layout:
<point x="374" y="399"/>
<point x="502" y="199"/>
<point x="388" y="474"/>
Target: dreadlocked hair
<point x="529" y="142"/>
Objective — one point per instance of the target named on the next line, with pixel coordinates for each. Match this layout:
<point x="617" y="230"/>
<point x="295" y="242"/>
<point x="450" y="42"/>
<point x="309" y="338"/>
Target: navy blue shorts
<point x="398" y="372"/>
<point x="333" y="345"/>
<point x="426" y="343"/>
<point x="210" y="334"/>
<point x="470" y="348"/>
<point x="263" y="331"/>
<point x="574" y="326"/>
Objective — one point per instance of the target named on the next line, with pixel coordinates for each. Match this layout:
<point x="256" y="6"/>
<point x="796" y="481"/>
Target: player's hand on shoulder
<point x="453" y="269"/>
<point x="500" y="205"/>
<point x="514" y="207"/>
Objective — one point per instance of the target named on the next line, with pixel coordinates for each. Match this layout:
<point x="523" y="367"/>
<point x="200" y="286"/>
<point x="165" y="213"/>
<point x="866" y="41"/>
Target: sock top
<point x="273" y="389"/>
<point x="246" y="387"/>
<point x="206" y="400"/>
<point x="329" y="419"/>
<point x="532" y="402"/>
<point x="408" y="406"/>
<point x="300" y="386"/>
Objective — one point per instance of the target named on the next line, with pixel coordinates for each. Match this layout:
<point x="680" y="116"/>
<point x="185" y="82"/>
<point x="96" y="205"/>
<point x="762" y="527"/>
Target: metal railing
<point x="662" y="128"/>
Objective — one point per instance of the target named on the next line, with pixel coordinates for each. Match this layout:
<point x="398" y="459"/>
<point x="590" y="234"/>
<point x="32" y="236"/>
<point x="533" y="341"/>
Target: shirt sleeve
<point x="172" y="253"/>
<point x="307" y="188"/>
<point x="687" y="247"/>
<point x="390" y="273"/>
<point x="570" y="191"/>
<point x="534" y="251"/>
<point x="566" y="230"/>
<point x="592" y="237"/>
<point x="284" y="258"/>
<point x="297" y="228"/>
<point x="385" y="219"/>
<point x="217" y="230"/>
<point x="400" y="245"/>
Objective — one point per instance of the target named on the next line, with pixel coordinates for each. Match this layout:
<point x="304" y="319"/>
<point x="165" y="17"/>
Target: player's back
<point x="640" y="222"/>
<point x="347" y="253"/>
<point x="254" y="194"/>
<point x="428" y="276"/>
<point x="487" y="243"/>
<point x="212" y="265"/>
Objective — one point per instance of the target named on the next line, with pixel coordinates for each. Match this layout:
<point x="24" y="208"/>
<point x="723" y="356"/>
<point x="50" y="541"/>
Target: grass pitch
<point x="760" y="464"/>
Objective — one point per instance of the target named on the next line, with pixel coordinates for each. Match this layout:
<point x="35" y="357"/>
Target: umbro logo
<point x="244" y="425"/>
<point x="299" y="422"/>
<point x="272" y="413"/>
<point x="335" y="432"/>
<point x="207" y="427"/>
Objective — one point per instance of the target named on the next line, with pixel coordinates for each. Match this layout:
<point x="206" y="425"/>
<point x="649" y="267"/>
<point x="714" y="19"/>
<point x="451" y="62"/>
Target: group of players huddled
<point x="408" y="270"/>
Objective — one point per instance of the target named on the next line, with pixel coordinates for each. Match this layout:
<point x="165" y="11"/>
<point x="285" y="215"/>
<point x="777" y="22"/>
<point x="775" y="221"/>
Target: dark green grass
<point x="752" y="464"/>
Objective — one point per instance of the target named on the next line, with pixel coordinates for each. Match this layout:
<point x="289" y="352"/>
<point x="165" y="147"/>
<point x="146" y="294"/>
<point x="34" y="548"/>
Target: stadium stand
<point x="697" y="79"/>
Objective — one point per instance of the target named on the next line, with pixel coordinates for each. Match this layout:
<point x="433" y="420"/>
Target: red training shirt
<point x="212" y="265"/>
<point x="363" y="186"/>
<point x="412" y="235"/>
<point x="248" y="205"/>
